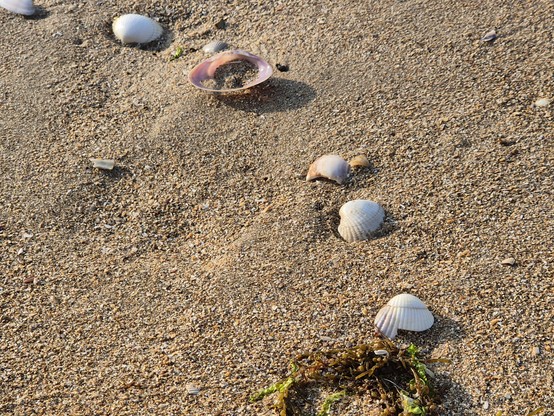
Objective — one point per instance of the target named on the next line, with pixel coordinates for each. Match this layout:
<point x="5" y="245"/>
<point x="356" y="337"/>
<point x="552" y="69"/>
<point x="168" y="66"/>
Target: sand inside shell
<point x="232" y="75"/>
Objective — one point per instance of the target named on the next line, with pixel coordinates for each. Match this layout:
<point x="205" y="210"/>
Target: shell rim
<point x="200" y="74"/>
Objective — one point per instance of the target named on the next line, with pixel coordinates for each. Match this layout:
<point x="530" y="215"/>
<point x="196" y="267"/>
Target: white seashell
<point x="106" y="164"/>
<point x="24" y="7"/>
<point x="332" y="167"/>
<point x="134" y="28"/>
<point x="360" y="218"/>
<point x="215" y="46"/>
<point x="406" y="312"/>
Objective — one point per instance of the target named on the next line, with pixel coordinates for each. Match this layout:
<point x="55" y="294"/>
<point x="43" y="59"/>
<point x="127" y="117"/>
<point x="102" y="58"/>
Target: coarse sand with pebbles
<point x="203" y="262"/>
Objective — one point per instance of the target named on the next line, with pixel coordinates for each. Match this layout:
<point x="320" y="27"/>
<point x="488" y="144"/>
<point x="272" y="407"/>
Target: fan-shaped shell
<point x="135" y="28"/>
<point x="206" y="70"/>
<point x="24" y="7"/>
<point x="215" y="46"/>
<point x="406" y="312"/>
<point x="332" y="167"/>
<point x="360" y="218"/>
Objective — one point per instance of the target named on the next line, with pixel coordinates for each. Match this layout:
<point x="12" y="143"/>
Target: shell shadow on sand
<point x="275" y="95"/>
<point x="39" y="14"/>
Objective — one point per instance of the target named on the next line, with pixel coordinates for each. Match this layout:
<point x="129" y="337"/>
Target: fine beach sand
<point x="204" y="259"/>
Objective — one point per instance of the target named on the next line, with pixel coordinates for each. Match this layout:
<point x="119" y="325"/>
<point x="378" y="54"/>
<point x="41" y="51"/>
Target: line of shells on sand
<point x="359" y="220"/>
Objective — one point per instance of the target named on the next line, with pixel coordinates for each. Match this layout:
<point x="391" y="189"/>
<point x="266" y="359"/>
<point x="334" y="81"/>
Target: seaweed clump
<point x="396" y="379"/>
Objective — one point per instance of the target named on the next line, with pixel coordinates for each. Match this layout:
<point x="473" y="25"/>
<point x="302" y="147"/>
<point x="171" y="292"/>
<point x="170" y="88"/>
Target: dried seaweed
<point x="396" y="379"/>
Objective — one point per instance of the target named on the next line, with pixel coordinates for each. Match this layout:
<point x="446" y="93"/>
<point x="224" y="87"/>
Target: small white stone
<point x="192" y="389"/>
<point x="106" y="164"/>
<point x="215" y="46"/>
<point x="543" y="102"/>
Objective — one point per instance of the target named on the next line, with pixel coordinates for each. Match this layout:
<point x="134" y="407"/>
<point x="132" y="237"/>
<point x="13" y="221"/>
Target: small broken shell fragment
<point x="360" y="161"/>
<point x="192" y="389"/>
<point x="106" y="164"/>
<point x="359" y="219"/>
<point x="135" y="28"/>
<point x="510" y="261"/>
<point x="489" y="36"/>
<point x="542" y="102"/>
<point x="215" y="47"/>
<point x="203" y="73"/>
<point x="405" y="312"/>
<point x="24" y="7"/>
<point x="331" y="167"/>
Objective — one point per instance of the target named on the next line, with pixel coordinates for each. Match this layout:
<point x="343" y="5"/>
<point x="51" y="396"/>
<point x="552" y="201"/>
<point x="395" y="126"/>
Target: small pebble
<point x="215" y="46"/>
<point x="282" y="68"/>
<point x="221" y="25"/>
<point x="106" y="164"/>
<point x="485" y="405"/>
<point x="192" y="389"/>
<point x="542" y="102"/>
<point x="535" y="351"/>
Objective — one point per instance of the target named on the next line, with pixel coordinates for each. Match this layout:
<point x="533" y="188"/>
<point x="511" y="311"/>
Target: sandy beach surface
<point x="204" y="260"/>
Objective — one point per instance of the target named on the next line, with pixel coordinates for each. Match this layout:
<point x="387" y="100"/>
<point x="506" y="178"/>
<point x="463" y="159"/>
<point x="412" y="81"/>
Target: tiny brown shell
<point x="360" y="161"/>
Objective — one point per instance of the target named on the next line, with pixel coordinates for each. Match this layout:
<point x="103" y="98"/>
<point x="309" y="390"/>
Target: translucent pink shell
<point x="206" y="70"/>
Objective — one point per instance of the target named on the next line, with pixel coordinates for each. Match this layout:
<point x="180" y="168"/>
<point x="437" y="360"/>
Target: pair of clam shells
<point x="360" y="218"/>
<point x="24" y="7"/>
<point x="206" y="70"/>
<point x="135" y="28"/>
<point x="334" y="167"/>
<point x="405" y="312"/>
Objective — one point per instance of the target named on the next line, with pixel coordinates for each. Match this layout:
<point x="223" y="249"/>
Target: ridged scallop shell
<point x="332" y="167"/>
<point x="206" y="70"/>
<point x="24" y="7"/>
<point x="215" y="46"/>
<point x="405" y="312"/>
<point x="359" y="219"/>
<point x="135" y="28"/>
